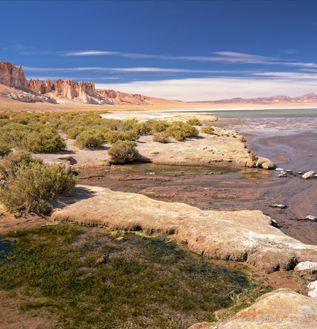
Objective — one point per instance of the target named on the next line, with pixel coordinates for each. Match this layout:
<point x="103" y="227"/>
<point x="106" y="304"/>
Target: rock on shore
<point x="241" y="235"/>
<point x="282" y="308"/>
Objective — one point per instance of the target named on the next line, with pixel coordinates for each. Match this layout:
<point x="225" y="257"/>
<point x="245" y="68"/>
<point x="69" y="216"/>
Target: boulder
<point x="306" y="266"/>
<point x="265" y="163"/>
<point x="307" y="270"/>
<point x="308" y="174"/>
<point x="280" y="309"/>
<point x="247" y="236"/>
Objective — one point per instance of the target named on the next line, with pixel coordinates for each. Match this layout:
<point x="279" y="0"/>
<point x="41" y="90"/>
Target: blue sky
<point x="188" y="50"/>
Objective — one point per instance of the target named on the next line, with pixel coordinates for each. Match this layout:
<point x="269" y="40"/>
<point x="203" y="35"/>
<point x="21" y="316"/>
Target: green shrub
<point x="15" y="160"/>
<point x="5" y="149"/>
<point x="4" y="115"/>
<point x="4" y="122"/>
<point x="123" y="151"/>
<point x="130" y="124"/>
<point x="72" y="133"/>
<point x="157" y="126"/>
<point x="33" y="138"/>
<point x="207" y="130"/>
<point x="115" y="136"/>
<point x="142" y="129"/>
<point x="44" y="139"/>
<point x="30" y="187"/>
<point x="89" y="139"/>
<point x="180" y="131"/>
<point x="113" y="124"/>
<point x="194" y="122"/>
<point x="29" y="183"/>
<point x="21" y="120"/>
<point x="176" y="132"/>
<point x="160" y="138"/>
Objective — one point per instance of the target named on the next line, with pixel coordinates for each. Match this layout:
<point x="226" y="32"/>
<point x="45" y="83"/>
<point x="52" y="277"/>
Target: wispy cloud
<point x="218" y="56"/>
<point x="288" y="75"/>
<point x="225" y="56"/>
<point x="123" y="70"/>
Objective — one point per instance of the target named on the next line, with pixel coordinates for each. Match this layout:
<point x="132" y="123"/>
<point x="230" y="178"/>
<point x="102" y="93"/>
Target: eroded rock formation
<point x="65" y="88"/>
<point x="10" y="75"/>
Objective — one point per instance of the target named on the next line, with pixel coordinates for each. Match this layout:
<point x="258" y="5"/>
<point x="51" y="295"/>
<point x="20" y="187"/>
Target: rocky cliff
<point x="10" y="75"/>
<point x="65" y="88"/>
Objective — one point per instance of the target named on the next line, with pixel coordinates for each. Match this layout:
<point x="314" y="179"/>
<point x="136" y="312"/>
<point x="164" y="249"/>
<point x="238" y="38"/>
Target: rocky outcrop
<point x="240" y="235"/>
<point x="109" y="93"/>
<point x="39" y="86"/>
<point x="280" y="309"/>
<point x="65" y="88"/>
<point x="10" y="75"/>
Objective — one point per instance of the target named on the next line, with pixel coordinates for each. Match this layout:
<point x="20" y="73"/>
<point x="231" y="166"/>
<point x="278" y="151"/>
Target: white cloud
<point x="221" y="56"/>
<point x="124" y="70"/>
<point x="218" y="56"/>
<point x="289" y="75"/>
<point x="205" y="89"/>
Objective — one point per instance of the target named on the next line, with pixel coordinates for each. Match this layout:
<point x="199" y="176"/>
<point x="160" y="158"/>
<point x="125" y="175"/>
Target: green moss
<point x="147" y="282"/>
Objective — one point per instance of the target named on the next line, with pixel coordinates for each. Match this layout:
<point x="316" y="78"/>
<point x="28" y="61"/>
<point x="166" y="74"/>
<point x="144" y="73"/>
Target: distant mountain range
<point x="308" y="98"/>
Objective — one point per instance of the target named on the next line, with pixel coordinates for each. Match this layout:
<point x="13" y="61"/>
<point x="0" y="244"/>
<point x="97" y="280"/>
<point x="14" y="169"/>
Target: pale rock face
<point x="10" y="75"/>
<point x="28" y="98"/>
<point x="312" y="289"/>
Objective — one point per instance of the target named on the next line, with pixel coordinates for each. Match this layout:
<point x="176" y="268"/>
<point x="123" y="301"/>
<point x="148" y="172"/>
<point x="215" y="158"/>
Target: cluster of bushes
<point x="39" y="131"/>
<point x="31" y="137"/>
<point x="27" y="183"/>
<point x="179" y="130"/>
